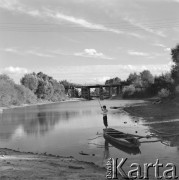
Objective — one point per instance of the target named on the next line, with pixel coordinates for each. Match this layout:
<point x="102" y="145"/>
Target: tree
<point x="134" y="79"/>
<point x="163" y="81"/>
<point x="7" y="91"/>
<point x="30" y="81"/>
<point x="66" y="85"/>
<point x="115" y="80"/>
<point x="24" y="95"/>
<point x="175" y="67"/>
<point x="44" y="90"/>
<point x="14" y="94"/>
<point x="146" y="78"/>
<point x="59" y="90"/>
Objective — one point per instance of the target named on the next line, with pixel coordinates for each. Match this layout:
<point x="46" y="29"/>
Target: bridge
<point x="85" y="90"/>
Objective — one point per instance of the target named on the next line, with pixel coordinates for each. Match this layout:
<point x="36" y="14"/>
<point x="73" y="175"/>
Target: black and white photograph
<point x="89" y="89"/>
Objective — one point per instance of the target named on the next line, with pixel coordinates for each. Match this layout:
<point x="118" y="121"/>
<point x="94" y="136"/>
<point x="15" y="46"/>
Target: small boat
<point x="120" y="138"/>
<point x="127" y="150"/>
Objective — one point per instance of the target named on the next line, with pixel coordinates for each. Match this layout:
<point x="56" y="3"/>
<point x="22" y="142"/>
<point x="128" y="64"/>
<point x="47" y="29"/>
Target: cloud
<point x="159" y="45"/>
<point x="15" y="73"/>
<point x="79" y="21"/>
<point x="33" y="52"/>
<point x="100" y="80"/>
<point x="144" y="27"/>
<point x="46" y="13"/>
<point x="15" y="5"/>
<point x="136" y="53"/>
<point x="20" y="8"/>
<point x="99" y="73"/>
<point x="167" y="49"/>
<point x="26" y="52"/>
<point x="15" y="70"/>
<point x="88" y="74"/>
<point x="92" y="53"/>
<point x="12" y="50"/>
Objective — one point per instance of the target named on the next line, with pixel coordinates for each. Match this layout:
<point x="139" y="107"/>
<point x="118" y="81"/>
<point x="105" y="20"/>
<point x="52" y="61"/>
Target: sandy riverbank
<point x="19" y="165"/>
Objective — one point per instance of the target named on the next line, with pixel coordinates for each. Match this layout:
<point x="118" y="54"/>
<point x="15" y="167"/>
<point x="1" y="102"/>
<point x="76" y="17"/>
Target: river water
<point x="71" y="128"/>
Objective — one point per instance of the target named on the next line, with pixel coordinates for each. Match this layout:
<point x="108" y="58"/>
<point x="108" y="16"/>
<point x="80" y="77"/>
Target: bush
<point x="128" y="91"/>
<point x="7" y="91"/>
<point x="177" y="89"/>
<point x="24" y="95"/>
<point x="164" y="93"/>
<point x="13" y="94"/>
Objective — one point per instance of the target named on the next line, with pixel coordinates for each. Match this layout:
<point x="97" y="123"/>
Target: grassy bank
<point x="161" y="118"/>
<point x="149" y="110"/>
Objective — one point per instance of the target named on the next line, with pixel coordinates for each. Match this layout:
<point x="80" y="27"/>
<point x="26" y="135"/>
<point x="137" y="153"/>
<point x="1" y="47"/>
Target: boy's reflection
<point x="106" y="150"/>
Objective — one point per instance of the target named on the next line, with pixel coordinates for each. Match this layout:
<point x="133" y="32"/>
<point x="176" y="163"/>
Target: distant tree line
<point x="39" y="86"/>
<point x="145" y="84"/>
<point x="34" y="87"/>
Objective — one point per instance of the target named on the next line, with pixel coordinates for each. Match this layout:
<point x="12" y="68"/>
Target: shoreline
<point x="40" y="103"/>
<point x="150" y="110"/>
<point x="28" y="165"/>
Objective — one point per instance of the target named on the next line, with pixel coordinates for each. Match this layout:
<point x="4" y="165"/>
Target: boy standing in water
<point x="104" y="112"/>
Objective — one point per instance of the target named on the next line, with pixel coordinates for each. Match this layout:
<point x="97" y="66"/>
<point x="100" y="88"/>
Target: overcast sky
<point x="87" y="41"/>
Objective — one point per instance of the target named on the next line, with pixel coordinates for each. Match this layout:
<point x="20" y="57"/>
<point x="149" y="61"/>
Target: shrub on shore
<point x="164" y="93"/>
<point x="13" y="94"/>
<point x="44" y="86"/>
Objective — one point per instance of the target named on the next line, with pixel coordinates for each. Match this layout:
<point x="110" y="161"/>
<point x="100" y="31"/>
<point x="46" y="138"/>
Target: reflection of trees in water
<point x="34" y="120"/>
<point x="165" y="131"/>
<point x="46" y="121"/>
<point x="86" y="112"/>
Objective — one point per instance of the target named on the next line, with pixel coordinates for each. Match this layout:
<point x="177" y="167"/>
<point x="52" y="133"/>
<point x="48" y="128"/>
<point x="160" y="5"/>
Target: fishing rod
<point x="100" y="103"/>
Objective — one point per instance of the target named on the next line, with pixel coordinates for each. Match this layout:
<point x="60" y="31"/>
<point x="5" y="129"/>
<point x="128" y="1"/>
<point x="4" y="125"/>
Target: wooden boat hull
<point x="120" y="138"/>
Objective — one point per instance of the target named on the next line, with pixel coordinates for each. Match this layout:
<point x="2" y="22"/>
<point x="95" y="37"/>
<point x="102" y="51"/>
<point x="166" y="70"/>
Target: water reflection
<point x="106" y="150"/>
<point x="35" y="120"/>
<point x="127" y="150"/>
<point x="65" y="129"/>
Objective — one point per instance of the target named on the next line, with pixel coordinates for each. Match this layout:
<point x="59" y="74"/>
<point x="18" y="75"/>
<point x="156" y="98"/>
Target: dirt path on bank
<point x="19" y="165"/>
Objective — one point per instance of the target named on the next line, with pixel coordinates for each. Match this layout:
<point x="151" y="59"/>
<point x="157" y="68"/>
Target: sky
<point x="87" y="41"/>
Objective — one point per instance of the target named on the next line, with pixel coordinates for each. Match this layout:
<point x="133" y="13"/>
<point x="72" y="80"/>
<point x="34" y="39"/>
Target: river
<point x="69" y="128"/>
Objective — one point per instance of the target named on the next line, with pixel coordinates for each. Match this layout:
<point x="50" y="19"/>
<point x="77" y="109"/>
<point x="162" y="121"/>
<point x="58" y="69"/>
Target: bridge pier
<point x="110" y="91"/>
<point x="117" y="90"/>
<point x="101" y="94"/>
<point x="85" y="93"/>
<point x="72" y="92"/>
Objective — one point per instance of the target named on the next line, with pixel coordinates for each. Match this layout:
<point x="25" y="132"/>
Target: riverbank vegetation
<point x="33" y="88"/>
<point x="145" y="85"/>
<point x="37" y="87"/>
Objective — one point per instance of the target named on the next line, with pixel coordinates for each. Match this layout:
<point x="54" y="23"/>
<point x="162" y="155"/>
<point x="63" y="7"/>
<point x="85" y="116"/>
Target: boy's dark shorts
<point x="105" y="121"/>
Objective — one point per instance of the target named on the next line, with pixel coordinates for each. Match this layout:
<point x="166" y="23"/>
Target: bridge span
<point x="85" y="90"/>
